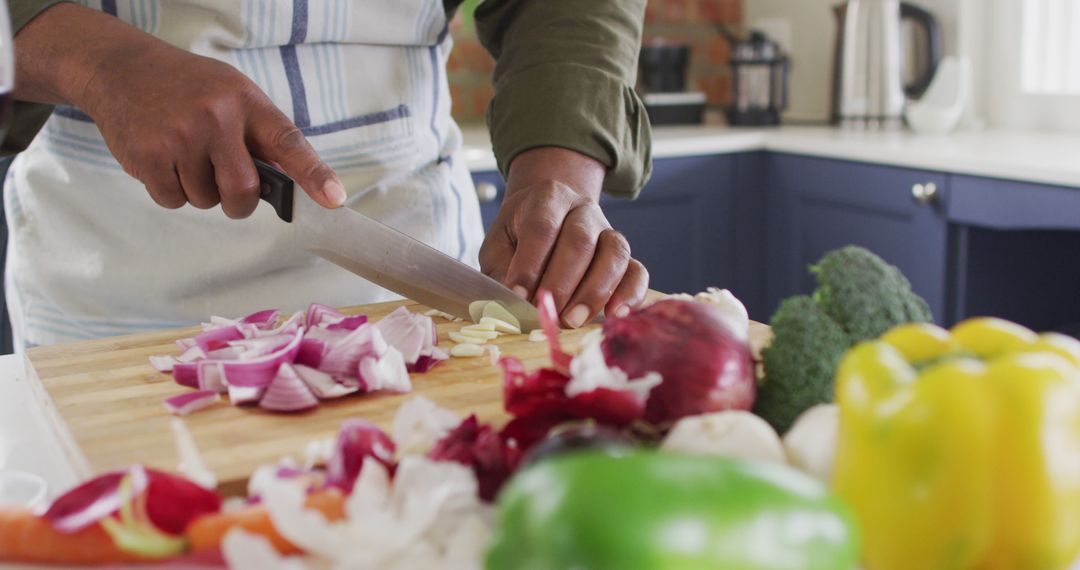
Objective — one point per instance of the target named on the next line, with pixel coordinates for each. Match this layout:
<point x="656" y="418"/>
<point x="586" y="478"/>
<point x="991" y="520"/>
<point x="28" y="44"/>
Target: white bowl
<point x="20" y="489"/>
<point x="943" y="104"/>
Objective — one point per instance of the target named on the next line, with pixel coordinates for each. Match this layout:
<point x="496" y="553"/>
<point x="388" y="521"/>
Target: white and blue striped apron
<point x="90" y="254"/>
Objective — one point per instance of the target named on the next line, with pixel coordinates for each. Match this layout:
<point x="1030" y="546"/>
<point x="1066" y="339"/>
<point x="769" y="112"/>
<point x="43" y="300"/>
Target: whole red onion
<point x="705" y="365"/>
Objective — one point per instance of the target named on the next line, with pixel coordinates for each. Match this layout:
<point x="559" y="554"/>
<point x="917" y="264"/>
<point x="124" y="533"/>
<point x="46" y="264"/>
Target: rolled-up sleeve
<point x="27" y="118"/>
<point x="565" y="77"/>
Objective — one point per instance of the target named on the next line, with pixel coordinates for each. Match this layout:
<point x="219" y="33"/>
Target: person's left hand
<point x="551" y="234"/>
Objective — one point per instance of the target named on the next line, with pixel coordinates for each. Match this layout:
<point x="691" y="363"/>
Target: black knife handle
<point x="276" y="188"/>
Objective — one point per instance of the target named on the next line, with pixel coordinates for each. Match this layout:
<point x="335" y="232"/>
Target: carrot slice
<point x="206" y="532"/>
<point x="26" y="537"/>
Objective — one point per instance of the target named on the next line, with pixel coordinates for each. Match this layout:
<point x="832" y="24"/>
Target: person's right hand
<point x="187" y="127"/>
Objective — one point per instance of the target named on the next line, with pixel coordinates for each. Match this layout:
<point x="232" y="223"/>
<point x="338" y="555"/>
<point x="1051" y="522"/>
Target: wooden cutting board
<point x="105" y="402"/>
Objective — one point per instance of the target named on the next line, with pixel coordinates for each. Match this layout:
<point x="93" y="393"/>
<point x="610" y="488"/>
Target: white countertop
<point x="27" y="441"/>
<point x="1046" y="158"/>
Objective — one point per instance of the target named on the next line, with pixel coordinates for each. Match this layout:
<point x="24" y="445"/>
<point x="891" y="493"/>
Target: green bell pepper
<point x="650" y="510"/>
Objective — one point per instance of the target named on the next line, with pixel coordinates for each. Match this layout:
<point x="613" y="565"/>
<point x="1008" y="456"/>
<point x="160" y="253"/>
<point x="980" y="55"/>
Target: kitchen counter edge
<point x="1044" y="158"/>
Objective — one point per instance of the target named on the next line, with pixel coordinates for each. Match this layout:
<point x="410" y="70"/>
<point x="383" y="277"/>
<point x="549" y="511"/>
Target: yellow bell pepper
<point x="961" y="449"/>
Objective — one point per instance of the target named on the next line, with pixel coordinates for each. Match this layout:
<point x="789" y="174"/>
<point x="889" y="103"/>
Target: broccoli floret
<point x="864" y="294"/>
<point x="859" y="297"/>
<point x="800" y="362"/>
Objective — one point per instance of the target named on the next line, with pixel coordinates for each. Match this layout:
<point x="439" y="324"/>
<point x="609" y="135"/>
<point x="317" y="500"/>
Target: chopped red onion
<point x="343" y="355"/>
<point x="260" y="371"/>
<point x="386" y="372"/>
<point x="311" y="352"/>
<point x="240" y="395"/>
<point x="208" y="340"/>
<point x="171" y="502"/>
<point x="319" y="354"/>
<point x="319" y="314"/>
<point x="288" y="392"/>
<point x="357" y="440"/>
<point x="162" y="363"/>
<point x="549" y="321"/>
<point x="405" y="333"/>
<point x="322" y="384"/>
<point x="211" y="377"/>
<point x="184" y="404"/>
<point x="186" y="374"/>
<point x="349" y="323"/>
<point x="263" y="319"/>
<point x="415" y="336"/>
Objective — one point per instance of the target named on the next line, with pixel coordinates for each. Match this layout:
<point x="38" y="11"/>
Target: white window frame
<point x="992" y="35"/>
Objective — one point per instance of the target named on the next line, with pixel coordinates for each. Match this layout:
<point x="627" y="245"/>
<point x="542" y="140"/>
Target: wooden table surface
<point x="105" y="402"/>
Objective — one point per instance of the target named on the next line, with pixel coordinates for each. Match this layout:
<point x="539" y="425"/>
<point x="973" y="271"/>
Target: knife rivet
<point x="264" y="189"/>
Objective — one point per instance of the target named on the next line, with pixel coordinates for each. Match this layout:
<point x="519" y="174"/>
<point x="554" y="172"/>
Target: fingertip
<point x="334" y="193"/>
<point x="622" y="311"/>
<point x="576" y="317"/>
<point x="520" y="291"/>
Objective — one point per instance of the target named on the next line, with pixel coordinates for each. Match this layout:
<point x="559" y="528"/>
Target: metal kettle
<point x="869" y="88"/>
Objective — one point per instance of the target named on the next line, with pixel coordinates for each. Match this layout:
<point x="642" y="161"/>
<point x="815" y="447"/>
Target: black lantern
<point x="759" y="80"/>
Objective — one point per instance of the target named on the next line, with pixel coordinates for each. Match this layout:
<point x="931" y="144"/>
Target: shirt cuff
<point x="578" y="108"/>
<point x="22" y="11"/>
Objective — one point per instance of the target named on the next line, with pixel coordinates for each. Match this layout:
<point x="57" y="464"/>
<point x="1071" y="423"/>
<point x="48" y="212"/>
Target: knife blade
<point x="385" y="256"/>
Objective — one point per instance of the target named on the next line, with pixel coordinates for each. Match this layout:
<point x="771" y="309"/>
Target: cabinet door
<point x="681" y="227"/>
<point x="817" y="205"/>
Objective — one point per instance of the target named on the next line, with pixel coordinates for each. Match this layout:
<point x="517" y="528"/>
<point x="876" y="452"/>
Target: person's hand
<point x="184" y="125"/>
<point x="187" y="126"/>
<point x="551" y="234"/>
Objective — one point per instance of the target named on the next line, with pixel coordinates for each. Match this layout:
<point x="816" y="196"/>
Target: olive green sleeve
<point x="27" y="118"/>
<point x="565" y="77"/>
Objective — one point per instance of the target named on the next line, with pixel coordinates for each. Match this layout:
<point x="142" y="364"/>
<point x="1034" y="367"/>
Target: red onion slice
<point x="357" y="440"/>
<point x="349" y="323"/>
<point x="287" y="392"/>
<point x="415" y="336"/>
<point x="318" y="314"/>
<point x="171" y="502"/>
<point x="186" y="374"/>
<point x="262" y="319"/>
<point x="260" y="371"/>
<point x="289" y="327"/>
<point x="240" y="395"/>
<point x="386" y="372"/>
<point x="344" y="355"/>
<point x="163" y="363"/>
<point x="208" y="340"/>
<point x="185" y="404"/>
<point x="322" y="384"/>
<point x="311" y="352"/>
<point x="211" y="377"/>
<point x="405" y="333"/>
<point x="549" y="321"/>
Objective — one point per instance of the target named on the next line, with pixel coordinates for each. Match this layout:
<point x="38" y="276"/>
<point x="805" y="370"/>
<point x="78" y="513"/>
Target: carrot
<point x="26" y="537"/>
<point x="207" y="532"/>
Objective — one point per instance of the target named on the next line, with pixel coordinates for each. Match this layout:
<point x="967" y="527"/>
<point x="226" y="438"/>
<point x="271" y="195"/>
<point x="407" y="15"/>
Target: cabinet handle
<point x="486" y="192"/>
<point x="925" y="193"/>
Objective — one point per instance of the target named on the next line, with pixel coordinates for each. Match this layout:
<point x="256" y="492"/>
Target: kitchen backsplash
<point x="677" y="21"/>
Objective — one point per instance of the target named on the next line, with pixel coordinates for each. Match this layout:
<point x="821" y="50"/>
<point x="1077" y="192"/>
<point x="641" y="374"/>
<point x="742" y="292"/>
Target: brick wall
<point x="684" y="21"/>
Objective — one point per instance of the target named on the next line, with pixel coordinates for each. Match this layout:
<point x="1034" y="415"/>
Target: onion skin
<point x="705" y="365"/>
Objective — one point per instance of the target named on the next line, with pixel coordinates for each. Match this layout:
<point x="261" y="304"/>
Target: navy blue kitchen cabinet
<point x="1015" y="252"/>
<point x="754" y="222"/>
<point x="817" y="205"/>
<point x="682" y="227"/>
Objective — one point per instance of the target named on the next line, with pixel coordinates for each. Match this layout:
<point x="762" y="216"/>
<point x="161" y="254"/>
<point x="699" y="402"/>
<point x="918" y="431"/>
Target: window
<point x="1050" y="47"/>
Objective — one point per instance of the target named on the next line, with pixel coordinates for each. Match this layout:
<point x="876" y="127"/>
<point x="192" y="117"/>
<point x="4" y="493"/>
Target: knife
<point x="386" y="256"/>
